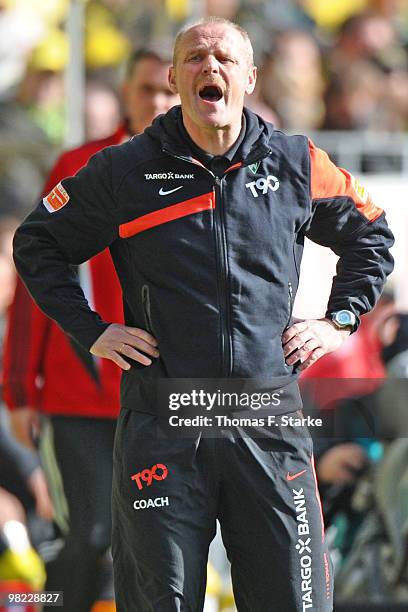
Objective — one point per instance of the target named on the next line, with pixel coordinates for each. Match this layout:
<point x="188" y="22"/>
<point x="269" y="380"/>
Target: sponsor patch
<point x="293" y="476"/>
<point x="303" y="547"/>
<point x="262" y="185"/>
<point x="157" y="472"/>
<point x="360" y="190"/>
<point x="56" y="199"/>
<point x="158" y="502"/>
<point x="169" y="176"/>
<point x="254" y="167"/>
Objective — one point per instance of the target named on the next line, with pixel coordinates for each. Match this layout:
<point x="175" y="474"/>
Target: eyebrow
<point x="201" y="48"/>
<point x="197" y="48"/>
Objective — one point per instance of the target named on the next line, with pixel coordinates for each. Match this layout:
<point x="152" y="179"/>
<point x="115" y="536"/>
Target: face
<point x="212" y="74"/>
<point x="147" y="94"/>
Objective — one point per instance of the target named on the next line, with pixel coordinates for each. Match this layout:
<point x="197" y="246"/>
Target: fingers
<point x="316" y="354"/>
<point x="116" y="358"/>
<point x="299" y="347"/>
<point x="143" y="334"/>
<point x="306" y="341"/>
<point x="119" y="342"/>
<point x="306" y="352"/>
<point x="139" y="342"/>
<point x="129" y="351"/>
<point x="298" y="342"/>
<point x="294" y="330"/>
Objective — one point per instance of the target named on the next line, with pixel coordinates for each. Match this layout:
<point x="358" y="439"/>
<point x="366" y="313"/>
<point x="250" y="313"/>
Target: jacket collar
<point x="166" y="129"/>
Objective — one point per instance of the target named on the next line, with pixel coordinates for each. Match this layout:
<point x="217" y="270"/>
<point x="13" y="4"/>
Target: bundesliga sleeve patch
<point x="56" y="199"/>
<point x="360" y="189"/>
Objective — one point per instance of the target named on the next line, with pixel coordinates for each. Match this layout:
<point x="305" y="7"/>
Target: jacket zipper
<point x="225" y="310"/>
<point x="290" y="304"/>
<point x="147" y="309"/>
<point x="222" y="270"/>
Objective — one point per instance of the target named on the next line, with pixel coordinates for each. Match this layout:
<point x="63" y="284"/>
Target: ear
<point x="124" y="89"/>
<point x="124" y="92"/>
<point x="172" y="80"/>
<point x="251" y="81"/>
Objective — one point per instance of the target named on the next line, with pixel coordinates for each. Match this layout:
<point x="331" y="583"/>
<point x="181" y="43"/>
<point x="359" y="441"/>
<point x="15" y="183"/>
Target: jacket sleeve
<point x="345" y="219"/>
<point x="74" y="222"/>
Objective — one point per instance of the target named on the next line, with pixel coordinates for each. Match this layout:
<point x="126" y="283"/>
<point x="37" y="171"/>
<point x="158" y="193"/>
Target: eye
<point x="194" y="58"/>
<point x="147" y="89"/>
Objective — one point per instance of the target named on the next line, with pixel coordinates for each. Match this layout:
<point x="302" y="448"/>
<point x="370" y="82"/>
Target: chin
<point x="213" y="120"/>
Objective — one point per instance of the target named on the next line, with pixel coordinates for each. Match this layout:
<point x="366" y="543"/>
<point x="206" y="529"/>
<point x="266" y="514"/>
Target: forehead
<point x="216" y="36"/>
<point x="150" y="69"/>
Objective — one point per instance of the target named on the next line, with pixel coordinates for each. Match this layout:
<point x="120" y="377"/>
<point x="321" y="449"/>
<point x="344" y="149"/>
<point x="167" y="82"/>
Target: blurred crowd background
<point x="323" y="65"/>
<point x="336" y="70"/>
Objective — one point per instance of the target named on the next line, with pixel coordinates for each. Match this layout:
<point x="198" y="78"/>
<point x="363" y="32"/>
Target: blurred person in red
<point x="102" y="109"/>
<point x="79" y="392"/>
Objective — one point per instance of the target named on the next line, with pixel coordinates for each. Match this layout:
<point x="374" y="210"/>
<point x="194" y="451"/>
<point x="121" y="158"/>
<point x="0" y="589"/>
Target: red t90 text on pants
<point x="157" y="472"/>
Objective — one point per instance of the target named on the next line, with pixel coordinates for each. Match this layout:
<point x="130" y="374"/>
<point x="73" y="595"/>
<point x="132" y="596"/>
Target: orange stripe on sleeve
<point x="329" y="181"/>
<point x="170" y="213"/>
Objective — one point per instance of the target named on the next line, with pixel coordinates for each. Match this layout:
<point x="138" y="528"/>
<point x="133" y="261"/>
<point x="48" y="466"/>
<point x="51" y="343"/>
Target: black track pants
<point x="83" y="568"/>
<point x="168" y="493"/>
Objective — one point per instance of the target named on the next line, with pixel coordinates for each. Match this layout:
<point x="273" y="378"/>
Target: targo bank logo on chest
<point x="167" y="176"/>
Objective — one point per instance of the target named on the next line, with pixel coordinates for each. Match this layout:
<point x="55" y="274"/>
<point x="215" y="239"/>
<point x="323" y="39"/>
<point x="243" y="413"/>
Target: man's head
<point x="146" y="91"/>
<point x="212" y="71"/>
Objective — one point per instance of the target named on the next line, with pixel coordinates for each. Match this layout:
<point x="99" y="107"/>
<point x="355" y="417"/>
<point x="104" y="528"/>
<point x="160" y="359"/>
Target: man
<point x="205" y="215"/>
<point x="79" y="392"/>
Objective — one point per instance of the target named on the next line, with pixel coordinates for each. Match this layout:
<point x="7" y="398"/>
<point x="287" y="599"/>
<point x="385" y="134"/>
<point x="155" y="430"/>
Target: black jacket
<point x="210" y="266"/>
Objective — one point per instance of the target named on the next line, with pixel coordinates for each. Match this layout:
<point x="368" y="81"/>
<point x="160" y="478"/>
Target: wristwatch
<point x="344" y="319"/>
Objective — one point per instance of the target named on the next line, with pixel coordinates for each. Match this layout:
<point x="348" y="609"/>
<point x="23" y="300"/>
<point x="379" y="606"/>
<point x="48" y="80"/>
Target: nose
<point x="210" y="65"/>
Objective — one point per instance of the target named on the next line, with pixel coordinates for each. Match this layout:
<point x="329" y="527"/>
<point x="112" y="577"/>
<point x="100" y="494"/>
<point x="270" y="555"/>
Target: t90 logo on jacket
<point x="147" y="476"/>
<point x="263" y="184"/>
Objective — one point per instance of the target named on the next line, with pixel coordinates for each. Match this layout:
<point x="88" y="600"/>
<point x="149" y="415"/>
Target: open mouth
<point x="210" y="93"/>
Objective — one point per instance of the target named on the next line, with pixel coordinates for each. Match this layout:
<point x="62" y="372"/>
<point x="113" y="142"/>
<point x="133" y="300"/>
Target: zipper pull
<point x="290" y="291"/>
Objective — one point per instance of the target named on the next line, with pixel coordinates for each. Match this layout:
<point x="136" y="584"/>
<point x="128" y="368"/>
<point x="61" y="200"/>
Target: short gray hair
<point x="214" y="21"/>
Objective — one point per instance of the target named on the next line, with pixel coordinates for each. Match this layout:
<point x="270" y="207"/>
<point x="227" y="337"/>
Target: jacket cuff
<point x="88" y="336"/>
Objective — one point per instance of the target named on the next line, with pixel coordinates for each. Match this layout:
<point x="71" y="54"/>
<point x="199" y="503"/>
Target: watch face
<point x="345" y="317"/>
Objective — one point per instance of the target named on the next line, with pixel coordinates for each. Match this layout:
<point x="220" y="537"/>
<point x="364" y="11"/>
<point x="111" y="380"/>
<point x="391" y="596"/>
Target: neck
<point x="215" y="141"/>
